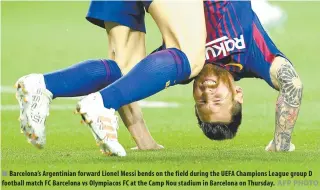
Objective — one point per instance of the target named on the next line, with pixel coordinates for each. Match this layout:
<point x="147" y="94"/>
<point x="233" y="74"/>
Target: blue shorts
<point x="126" y="13"/>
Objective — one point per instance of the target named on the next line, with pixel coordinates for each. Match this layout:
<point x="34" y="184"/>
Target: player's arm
<point x="286" y="79"/>
<point x="132" y="117"/>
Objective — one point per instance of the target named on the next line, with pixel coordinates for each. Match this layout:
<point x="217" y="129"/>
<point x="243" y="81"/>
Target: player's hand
<point x="271" y="147"/>
<point x="155" y="147"/>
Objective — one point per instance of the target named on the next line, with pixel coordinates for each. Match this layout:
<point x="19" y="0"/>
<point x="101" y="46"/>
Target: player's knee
<point x="128" y="61"/>
<point x="196" y="59"/>
<point x="195" y="51"/>
<point x="126" y="47"/>
<point x="197" y="65"/>
<point x="188" y="37"/>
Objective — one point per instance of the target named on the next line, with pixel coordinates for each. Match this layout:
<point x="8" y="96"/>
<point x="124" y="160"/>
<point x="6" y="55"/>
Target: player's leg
<point x="35" y="91"/>
<point x="183" y="59"/>
<point x="93" y="112"/>
<point x="82" y="78"/>
<point x="127" y="48"/>
<point x="184" y="30"/>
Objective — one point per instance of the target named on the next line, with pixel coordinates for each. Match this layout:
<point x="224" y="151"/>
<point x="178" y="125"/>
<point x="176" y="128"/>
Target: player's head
<point x="218" y="101"/>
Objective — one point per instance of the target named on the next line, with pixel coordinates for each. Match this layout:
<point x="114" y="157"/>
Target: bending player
<point x="215" y="94"/>
<point x="238" y="47"/>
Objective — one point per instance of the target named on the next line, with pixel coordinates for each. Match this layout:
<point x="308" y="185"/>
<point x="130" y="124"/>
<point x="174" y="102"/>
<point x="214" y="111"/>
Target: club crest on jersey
<point x="224" y="45"/>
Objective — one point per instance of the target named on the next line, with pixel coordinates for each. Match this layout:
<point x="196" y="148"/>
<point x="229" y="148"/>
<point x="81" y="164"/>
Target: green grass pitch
<point x="44" y="36"/>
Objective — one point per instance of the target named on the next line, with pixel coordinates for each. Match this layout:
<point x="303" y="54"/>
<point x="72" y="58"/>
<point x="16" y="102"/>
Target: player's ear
<point x="239" y="95"/>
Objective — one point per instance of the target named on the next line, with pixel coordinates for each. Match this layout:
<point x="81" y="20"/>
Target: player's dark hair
<point x="220" y="130"/>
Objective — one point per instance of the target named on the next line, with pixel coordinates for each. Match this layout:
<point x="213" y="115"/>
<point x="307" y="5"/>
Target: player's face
<point x="214" y="93"/>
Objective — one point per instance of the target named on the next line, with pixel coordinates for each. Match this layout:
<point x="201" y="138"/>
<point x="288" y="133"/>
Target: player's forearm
<point x="132" y="117"/>
<point x="287" y="106"/>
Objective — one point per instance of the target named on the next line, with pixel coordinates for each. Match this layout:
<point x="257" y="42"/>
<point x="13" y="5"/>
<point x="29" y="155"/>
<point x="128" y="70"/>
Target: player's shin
<point x="82" y="78"/>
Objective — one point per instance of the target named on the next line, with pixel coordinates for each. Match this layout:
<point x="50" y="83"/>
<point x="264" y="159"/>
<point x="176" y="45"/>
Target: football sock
<point x="154" y="73"/>
<point x="83" y="78"/>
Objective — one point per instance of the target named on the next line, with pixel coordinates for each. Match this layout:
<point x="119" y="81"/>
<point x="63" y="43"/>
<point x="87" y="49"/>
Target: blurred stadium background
<point x="39" y="37"/>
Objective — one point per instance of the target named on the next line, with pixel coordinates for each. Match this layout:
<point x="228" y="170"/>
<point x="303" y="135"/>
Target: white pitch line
<point x="11" y="90"/>
<point x="53" y="107"/>
<point x="142" y="103"/>
<point x="7" y="89"/>
<point x="157" y="104"/>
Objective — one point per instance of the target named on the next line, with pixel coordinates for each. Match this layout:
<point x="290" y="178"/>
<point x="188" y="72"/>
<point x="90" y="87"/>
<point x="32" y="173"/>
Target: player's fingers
<point x="134" y="148"/>
<point x="160" y="146"/>
<point x="157" y="147"/>
<point x="270" y="147"/>
<point x="292" y="147"/>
